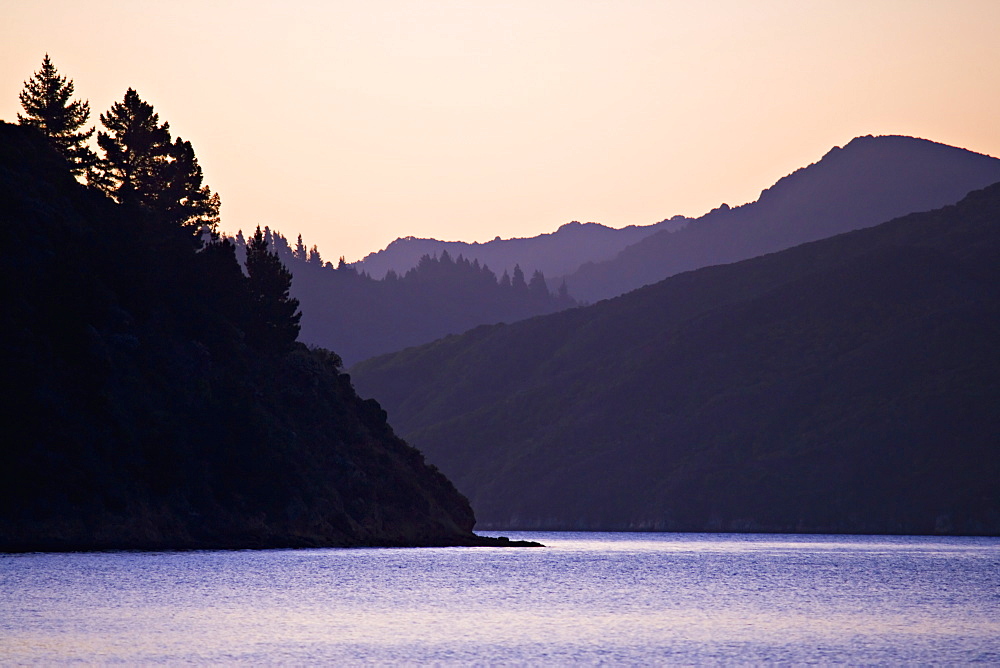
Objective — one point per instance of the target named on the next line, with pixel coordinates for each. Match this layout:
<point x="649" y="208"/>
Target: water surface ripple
<point x="586" y="598"/>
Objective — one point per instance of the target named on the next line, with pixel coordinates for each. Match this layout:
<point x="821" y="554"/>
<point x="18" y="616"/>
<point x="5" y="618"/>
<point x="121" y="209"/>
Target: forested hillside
<point x="844" y="385"/>
<point x="155" y="396"/>
<point x="867" y="182"/>
<point x="360" y="316"/>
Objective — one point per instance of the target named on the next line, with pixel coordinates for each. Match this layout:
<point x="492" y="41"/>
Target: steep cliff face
<point x="137" y="416"/>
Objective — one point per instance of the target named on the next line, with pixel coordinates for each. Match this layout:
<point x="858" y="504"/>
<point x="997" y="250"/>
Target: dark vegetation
<point x="155" y="396"/>
<point x="849" y="385"/>
<point x="142" y="166"/>
<point x="361" y="316"/>
<point x="867" y="182"/>
<point x="47" y="99"/>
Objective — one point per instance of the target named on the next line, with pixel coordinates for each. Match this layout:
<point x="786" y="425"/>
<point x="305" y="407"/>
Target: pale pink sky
<point x="354" y="123"/>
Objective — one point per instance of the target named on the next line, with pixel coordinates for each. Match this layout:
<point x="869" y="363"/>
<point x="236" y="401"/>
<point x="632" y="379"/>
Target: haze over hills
<point x="845" y="385"/>
<point x="554" y="254"/>
<point x="359" y="316"/>
<point x="868" y="181"/>
<point x="450" y="287"/>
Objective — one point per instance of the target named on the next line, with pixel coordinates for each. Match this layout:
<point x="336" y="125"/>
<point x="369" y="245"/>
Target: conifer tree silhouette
<point x="538" y="286"/>
<point x="517" y="280"/>
<point x="136" y="148"/>
<point x="182" y="195"/>
<point x="143" y="166"/>
<point x="46" y="99"/>
<point x="275" y="324"/>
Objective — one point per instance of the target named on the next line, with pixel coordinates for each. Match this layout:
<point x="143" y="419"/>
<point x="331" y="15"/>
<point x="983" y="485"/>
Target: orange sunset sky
<point x="354" y="123"/>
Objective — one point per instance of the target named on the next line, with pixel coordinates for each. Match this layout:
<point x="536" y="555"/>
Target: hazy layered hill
<point x="845" y="385"/>
<point x="138" y="414"/>
<point x="359" y="316"/>
<point x="868" y="181"/>
<point x="554" y="254"/>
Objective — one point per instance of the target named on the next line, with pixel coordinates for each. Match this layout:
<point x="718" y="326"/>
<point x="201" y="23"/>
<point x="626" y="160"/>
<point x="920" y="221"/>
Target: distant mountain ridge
<point x="360" y="317"/>
<point x="847" y="385"/>
<point x="555" y="253"/>
<point x="868" y="181"/>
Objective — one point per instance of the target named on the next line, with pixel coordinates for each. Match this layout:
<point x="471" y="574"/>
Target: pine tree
<point x="517" y="280"/>
<point x="136" y="149"/>
<point x="537" y="286"/>
<point x="47" y="103"/>
<point x="300" y="250"/>
<point x="143" y="166"/>
<point x="275" y="325"/>
<point x="182" y="197"/>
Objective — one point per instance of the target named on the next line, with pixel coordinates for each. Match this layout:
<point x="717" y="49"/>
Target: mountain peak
<point x="868" y="181"/>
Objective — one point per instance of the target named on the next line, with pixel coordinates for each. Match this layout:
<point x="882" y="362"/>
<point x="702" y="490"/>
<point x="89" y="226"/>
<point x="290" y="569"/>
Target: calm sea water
<point x="587" y="597"/>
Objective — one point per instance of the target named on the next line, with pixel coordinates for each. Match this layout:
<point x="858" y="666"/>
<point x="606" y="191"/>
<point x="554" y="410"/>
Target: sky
<point x="354" y="123"/>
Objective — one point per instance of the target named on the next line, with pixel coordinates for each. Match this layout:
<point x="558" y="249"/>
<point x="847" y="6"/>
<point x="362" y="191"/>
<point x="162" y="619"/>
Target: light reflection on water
<point x="587" y="597"/>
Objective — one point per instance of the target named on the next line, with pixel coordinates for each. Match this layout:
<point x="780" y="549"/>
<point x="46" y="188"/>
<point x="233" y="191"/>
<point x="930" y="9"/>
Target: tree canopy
<point x="276" y="315"/>
<point x="142" y="165"/>
<point x="135" y="148"/>
<point x="49" y="107"/>
<point x="183" y="197"/>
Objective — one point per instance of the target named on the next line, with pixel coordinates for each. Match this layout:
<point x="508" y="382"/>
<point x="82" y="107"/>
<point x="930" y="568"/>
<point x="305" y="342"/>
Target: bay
<point x="619" y="598"/>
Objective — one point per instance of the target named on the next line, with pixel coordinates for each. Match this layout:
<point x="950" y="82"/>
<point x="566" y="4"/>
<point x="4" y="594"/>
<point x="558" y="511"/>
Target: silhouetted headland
<point x="155" y="396"/>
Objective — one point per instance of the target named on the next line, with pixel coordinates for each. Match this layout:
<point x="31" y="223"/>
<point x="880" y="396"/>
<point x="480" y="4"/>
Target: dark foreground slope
<point x="845" y="385"/>
<point x="867" y="182"/>
<point x="135" y="415"/>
